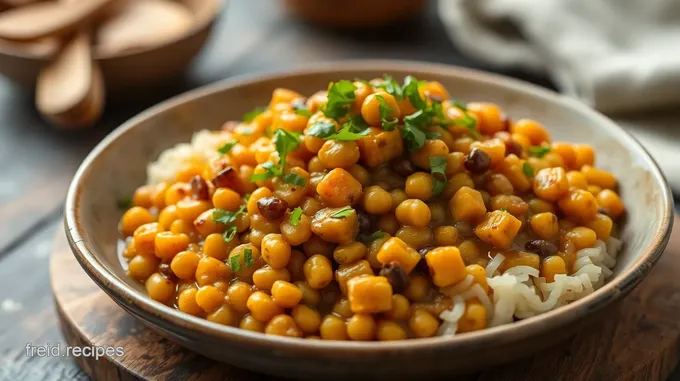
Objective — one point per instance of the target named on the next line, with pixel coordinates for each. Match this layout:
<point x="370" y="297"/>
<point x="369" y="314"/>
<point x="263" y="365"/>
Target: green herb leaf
<point x="528" y="170"/>
<point x="246" y="197"/>
<point x="387" y="120"/>
<point x="412" y="133"/>
<point x="269" y="171"/>
<point x="346" y="134"/>
<point x="229" y="234"/>
<point x="342" y="213"/>
<point x="340" y="99"/>
<point x="303" y="112"/>
<point x="321" y="129"/>
<point x="357" y="122"/>
<point x="411" y="92"/>
<point x="504" y="210"/>
<point x="226" y="147"/>
<point x="248" y="259"/>
<point x="295" y="216"/>
<point x="438" y="169"/>
<point x="467" y="121"/>
<point x="391" y="87"/>
<point x="252" y="114"/>
<point x="285" y="143"/>
<point x="235" y="263"/>
<point x="293" y="179"/>
<point x="539" y="151"/>
<point x="124" y="202"/>
<point x="368" y="238"/>
<point x="226" y="217"/>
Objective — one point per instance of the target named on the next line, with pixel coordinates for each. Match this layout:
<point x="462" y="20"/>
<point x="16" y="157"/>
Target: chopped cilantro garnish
<point x="252" y="114"/>
<point x="295" y="216"/>
<point x="294" y="179"/>
<point x="321" y="129"/>
<point x="410" y="91"/>
<point x="528" y="170"/>
<point x="303" y="112"/>
<point x="342" y="213"/>
<point x="387" y="120"/>
<point x="285" y="143"/>
<point x="235" y="263"/>
<point x="124" y="202"/>
<point x="438" y="169"/>
<point x="368" y="238"/>
<point x="340" y="99"/>
<point x="227" y="217"/>
<point x="346" y="133"/>
<point x="539" y="151"/>
<point x="248" y="259"/>
<point x="229" y="234"/>
<point x="226" y="147"/>
<point x="391" y="87"/>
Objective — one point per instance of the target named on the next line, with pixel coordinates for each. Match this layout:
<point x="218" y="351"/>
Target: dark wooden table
<point x="37" y="162"/>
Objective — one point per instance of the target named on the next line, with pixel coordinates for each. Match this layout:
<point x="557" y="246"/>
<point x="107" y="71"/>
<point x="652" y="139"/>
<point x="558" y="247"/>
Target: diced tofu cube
<point x="467" y="204"/>
<point x="396" y="250"/>
<point x="446" y="265"/>
<point x="369" y="294"/>
<point x="339" y="188"/>
<point x="498" y="229"/>
<point x="380" y="147"/>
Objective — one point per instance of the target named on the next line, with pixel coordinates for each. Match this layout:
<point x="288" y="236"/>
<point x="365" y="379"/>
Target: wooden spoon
<point x="143" y="23"/>
<point x="70" y="90"/>
<point x="43" y="19"/>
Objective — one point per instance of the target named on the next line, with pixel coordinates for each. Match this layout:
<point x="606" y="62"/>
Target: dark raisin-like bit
<point x="512" y="147"/>
<point x="541" y="247"/>
<point x="199" y="188"/>
<point x="364" y="222"/>
<point x="396" y="276"/>
<point x="403" y="167"/>
<point x="272" y="208"/>
<point x="477" y="161"/>
<point x="166" y="271"/>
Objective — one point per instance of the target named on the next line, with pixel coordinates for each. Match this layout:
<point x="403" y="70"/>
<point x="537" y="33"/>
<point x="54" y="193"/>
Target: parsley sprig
<point x="295" y="216"/>
<point x="528" y="169"/>
<point x="539" y="151"/>
<point x="224" y="149"/>
<point x="227" y="217"/>
<point x="354" y="129"/>
<point x="438" y="169"/>
<point x="340" y="99"/>
<point x="285" y="143"/>
<point x="342" y="213"/>
<point x="386" y="119"/>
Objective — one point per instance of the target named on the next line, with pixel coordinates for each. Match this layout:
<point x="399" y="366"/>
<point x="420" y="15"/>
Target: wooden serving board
<point x="638" y="341"/>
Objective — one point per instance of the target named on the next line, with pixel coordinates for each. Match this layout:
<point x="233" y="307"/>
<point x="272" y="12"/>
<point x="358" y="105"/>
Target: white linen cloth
<point x="619" y="56"/>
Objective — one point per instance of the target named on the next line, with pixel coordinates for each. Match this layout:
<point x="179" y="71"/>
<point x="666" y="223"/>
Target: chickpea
<point x="283" y="325"/>
<point x="423" y="324"/>
<point x="144" y="237"/>
<point x="265" y="277"/>
<point x="134" y="218"/>
<point x="415" y="237"/>
<point x="398" y="196"/>
<point x="186" y="302"/>
<point x="361" y="327"/>
<point x="339" y="154"/>
<point x="333" y="328"/>
<point x="142" y="196"/>
<point x="544" y="225"/>
<point x="370" y="108"/>
<point x="361" y="174"/>
<point x="184" y="264"/>
<point x="249" y="323"/>
<point x="308" y="319"/>
<point x="167" y="216"/>
<point x="160" y="288"/>
<point x="490" y="116"/>
<point x="418" y="288"/>
<point x="610" y="202"/>
<point x="432" y="147"/>
<point x="419" y="186"/>
<point x="227" y="199"/>
<point x="376" y="200"/>
<point x="536" y="133"/>
<point x="142" y="266"/>
<point x="413" y="212"/>
<point x="262" y="307"/>
<point x="348" y="253"/>
<point x="168" y="244"/>
<point x="387" y="223"/>
<point x="310" y="296"/>
<point x="446" y="236"/>
<point x="318" y="271"/>
<point x="388" y="330"/>
<point x="474" y="318"/>
<point x="400" y="308"/>
<point x="275" y="251"/>
<point x="210" y="270"/>
<point x="286" y="294"/>
<point x="316" y="245"/>
<point x="209" y="298"/>
<point x="237" y="296"/>
<point x="189" y="209"/>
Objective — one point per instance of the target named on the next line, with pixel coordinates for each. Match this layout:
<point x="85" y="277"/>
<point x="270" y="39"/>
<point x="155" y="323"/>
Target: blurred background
<point x="56" y="103"/>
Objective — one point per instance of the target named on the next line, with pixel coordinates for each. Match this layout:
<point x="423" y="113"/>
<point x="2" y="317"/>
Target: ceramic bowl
<point x="124" y="70"/>
<point x="117" y="166"/>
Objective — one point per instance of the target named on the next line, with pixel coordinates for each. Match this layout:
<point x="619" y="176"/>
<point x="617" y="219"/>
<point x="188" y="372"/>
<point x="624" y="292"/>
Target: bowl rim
<point x="612" y="291"/>
<point x="196" y="28"/>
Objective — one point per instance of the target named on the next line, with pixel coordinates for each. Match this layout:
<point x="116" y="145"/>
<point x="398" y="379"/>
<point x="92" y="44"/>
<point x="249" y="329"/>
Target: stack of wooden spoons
<point x="70" y="90"/>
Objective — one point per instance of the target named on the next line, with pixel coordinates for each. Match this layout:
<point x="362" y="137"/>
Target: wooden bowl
<point x="117" y="166"/>
<point x="124" y="71"/>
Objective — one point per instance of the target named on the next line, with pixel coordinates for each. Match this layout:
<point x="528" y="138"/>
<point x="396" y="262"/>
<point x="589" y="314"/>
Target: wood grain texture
<point x="637" y="340"/>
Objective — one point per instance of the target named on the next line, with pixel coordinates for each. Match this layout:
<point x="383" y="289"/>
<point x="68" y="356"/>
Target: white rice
<point x="202" y="148"/>
<point x="520" y="293"/>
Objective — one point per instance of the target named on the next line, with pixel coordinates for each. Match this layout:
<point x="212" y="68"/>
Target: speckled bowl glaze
<point x="117" y="166"/>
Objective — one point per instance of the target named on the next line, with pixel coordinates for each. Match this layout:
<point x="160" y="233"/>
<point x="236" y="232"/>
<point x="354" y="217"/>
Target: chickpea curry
<point x="373" y="210"/>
